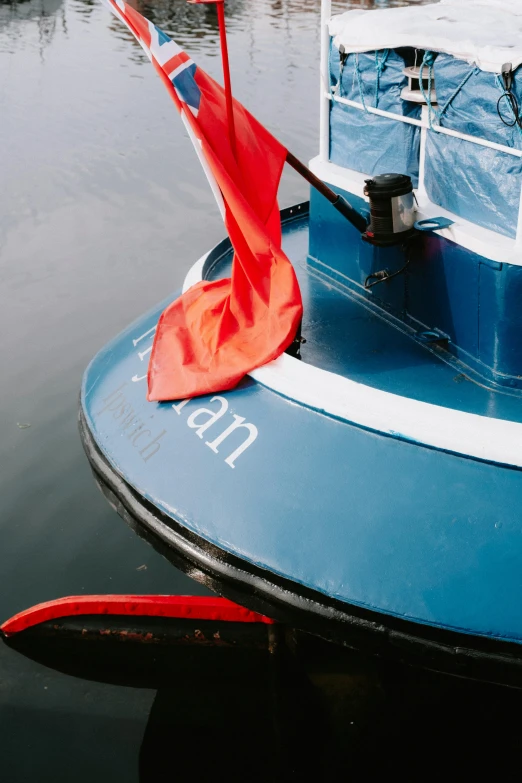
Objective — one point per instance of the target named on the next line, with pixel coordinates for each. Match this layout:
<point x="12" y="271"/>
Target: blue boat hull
<point x="366" y="539"/>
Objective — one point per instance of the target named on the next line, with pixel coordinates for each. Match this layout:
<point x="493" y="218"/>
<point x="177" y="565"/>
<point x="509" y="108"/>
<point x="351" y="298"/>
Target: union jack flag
<point x="216" y="332"/>
<point x="164" y="53"/>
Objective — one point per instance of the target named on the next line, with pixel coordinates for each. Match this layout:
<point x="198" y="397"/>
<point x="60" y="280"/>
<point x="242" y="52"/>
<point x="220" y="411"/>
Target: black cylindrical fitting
<point x="391" y="208"/>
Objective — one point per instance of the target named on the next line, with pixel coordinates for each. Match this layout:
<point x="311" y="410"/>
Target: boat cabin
<point x="433" y="92"/>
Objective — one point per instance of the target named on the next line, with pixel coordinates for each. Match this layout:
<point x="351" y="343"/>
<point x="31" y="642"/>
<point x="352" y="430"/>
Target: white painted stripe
<point x="482" y="241"/>
<point x="494" y="440"/>
<point x="447" y="429"/>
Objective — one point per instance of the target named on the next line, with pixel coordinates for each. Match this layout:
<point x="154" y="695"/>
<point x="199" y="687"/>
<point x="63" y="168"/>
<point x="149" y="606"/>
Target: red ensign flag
<point x="216" y="332"/>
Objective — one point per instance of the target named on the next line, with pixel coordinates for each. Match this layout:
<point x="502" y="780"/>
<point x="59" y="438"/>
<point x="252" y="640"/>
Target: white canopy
<point x="487" y="33"/>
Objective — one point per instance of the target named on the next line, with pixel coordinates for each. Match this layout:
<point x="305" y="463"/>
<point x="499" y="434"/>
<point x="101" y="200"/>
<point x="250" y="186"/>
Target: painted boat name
<point x="200" y="420"/>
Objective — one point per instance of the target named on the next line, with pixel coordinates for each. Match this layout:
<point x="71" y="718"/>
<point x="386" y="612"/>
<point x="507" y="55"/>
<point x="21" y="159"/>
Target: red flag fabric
<point x="217" y="332"/>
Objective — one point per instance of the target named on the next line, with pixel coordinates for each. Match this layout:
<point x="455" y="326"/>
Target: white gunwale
<point x="446" y="429"/>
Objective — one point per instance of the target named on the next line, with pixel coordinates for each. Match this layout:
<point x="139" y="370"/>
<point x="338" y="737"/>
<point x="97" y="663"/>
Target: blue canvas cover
<point x="477" y="183"/>
<point x="366" y="142"/>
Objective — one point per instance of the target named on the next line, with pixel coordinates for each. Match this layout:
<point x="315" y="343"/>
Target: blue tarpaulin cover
<point x="477" y="183"/>
<point x="366" y="142"/>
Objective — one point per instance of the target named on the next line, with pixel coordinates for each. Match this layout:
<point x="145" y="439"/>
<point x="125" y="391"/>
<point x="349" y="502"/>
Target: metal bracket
<point x="431" y="336"/>
<point x="433" y="224"/>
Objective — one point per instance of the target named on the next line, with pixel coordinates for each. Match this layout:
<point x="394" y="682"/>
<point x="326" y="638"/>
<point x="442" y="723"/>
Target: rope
<point x="379" y="67"/>
<point x="454" y="94"/>
<point x="359" y="83"/>
<point x="380" y="64"/>
<point x="428" y="60"/>
<point x="512" y="103"/>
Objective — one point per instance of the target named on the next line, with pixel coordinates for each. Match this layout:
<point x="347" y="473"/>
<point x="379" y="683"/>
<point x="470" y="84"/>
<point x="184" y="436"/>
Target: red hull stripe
<point x="168" y="606"/>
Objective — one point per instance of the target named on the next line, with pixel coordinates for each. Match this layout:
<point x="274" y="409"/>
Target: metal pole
<point x="226" y="69"/>
<point x="335" y="199"/>
<point x="324" y="115"/>
<point x="220" y="7"/>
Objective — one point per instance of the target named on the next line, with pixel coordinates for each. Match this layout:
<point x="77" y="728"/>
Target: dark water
<point x="103" y="208"/>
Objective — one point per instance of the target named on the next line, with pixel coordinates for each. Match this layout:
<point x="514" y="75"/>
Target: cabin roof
<point x="486" y="33"/>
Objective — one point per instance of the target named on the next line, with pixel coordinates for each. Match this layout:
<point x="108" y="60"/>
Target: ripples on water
<point x="102" y="209"/>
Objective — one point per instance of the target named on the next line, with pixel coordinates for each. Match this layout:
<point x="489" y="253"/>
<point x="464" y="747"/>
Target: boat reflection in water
<point x="44" y="14"/>
<point x="297" y="711"/>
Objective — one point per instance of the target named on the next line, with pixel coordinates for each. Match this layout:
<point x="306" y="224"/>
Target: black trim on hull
<point x="451" y="652"/>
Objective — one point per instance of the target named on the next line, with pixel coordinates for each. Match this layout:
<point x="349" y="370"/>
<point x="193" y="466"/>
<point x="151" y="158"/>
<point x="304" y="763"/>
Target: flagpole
<point x="220" y="8"/>
<point x="335" y="199"/>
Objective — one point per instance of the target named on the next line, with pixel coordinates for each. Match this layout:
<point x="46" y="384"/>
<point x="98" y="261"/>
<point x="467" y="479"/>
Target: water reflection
<point x="306" y="711"/>
<point x="14" y="17"/>
<point x="193" y="26"/>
